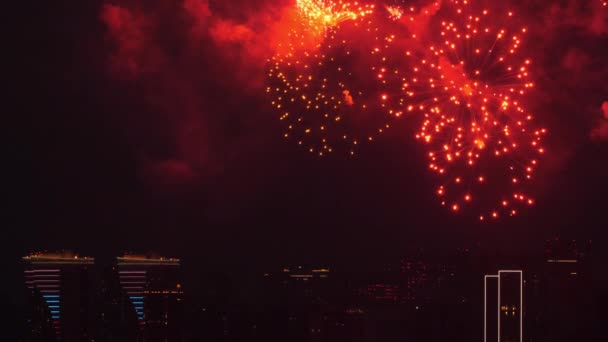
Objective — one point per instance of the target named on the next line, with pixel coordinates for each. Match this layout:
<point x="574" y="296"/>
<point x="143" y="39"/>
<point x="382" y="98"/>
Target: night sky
<point x="149" y="130"/>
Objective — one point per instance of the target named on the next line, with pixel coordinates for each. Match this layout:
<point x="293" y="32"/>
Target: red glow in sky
<point x="343" y="73"/>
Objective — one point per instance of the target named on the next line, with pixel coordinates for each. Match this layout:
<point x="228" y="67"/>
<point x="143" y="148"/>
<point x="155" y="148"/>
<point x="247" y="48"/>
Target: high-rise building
<point x="152" y="285"/>
<point x="63" y="296"/>
<point x="566" y="259"/>
<point x="298" y="297"/>
<point x="490" y="308"/>
<point x="503" y="306"/>
<point x="510" y="303"/>
<point x="565" y="269"/>
<point x="117" y="321"/>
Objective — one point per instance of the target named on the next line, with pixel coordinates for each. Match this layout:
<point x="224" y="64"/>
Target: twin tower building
<point x="74" y="299"/>
<point x="503" y="306"/>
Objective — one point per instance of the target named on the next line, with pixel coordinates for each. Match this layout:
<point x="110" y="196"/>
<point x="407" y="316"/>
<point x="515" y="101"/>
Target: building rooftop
<point x="151" y="260"/>
<point x="58" y="258"/>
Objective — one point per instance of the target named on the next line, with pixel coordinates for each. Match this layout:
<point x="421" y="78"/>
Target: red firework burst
<point x="465" y="74"/>
<point x="325" y="92"/>
<point x="471" y="88"/>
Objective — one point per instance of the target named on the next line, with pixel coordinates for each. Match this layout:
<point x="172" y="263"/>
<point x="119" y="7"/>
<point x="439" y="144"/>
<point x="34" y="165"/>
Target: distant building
<point x="566" y="269"/>
<point x="382" y="293"/>
<point x="565" y="259"/>
<point x="503" y="306"/>
<point x="63" y="296"/>
<point x="117" y="321"/>
<point x="296" y="303"/>
<point x="308" y="285"/>
<point x="153" y="287"/>
<point x="490" y="308"/>
<point x="510" y="302"/>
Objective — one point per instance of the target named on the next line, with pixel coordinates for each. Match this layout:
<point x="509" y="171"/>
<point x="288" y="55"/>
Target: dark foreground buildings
<point x="154" y="290"/>
<point x="420" y="297"/>
<point x="503" y="307"/>
<point x="137" y="298"/>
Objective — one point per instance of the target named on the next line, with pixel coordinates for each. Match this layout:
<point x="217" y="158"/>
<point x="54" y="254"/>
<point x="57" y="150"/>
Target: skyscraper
<point x="510" y="303"/>
<point x="61" y="285"/>
<point x="490" y="308"/>
<point x="155" y="293"/>
<point x="503" y="306"/>
<point x="566" y="260"/>
<point x="566" y="269"/>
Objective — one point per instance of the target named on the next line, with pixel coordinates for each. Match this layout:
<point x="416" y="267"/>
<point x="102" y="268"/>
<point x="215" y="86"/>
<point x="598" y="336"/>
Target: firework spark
<point x="326" y="93"/>
<point x="471" y="91"/>
<point x="468" y="81"/>
<point x="320" y="14"/>
<point x="395" y="12"/>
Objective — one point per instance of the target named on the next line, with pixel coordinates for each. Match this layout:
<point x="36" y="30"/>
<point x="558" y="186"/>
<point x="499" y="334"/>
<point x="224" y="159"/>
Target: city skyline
<point x="184" y="129"/>
<point x="406" y="287"/>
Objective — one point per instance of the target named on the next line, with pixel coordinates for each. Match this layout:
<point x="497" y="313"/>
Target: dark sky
<point x="180" y="152"/>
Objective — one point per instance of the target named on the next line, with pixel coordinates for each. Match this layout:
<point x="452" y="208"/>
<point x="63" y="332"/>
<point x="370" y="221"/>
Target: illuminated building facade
<point x="301" y="274"/>
<point x="419" y="281"/>
<point x="300" y="282"/>
<point x="503" y="307"/>
<point x="298" y="296"/>
<point x="416" y="274"/>
<point x="411" y="283"/>
<point x="63" y="295"/>
<point x="385" y="293"/>
<point x="153" y="287"/>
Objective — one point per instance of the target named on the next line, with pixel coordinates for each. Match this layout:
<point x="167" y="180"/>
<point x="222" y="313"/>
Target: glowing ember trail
<point x="471" y="90"/>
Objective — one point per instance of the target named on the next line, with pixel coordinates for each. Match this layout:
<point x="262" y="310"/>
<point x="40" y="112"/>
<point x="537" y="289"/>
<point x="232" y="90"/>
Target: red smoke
<point x="169" y="175"/>
<point x="417" y="21"/>
<point x="600" y="132"/>
<point x="173" y="56"/>
<point x="126" y="30"/>
<point x="590" y="16"/>
<point x="200" y="13"/>
<point x="195" y="62"/>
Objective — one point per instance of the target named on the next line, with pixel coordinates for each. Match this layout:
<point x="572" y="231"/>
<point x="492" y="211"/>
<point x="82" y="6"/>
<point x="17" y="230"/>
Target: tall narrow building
<point x="510" y="303"/>
<point x="503" y="307"/>
<point x="490" y="308"/>
<point x="62" y="295"/>
<point x="152" y="285"/>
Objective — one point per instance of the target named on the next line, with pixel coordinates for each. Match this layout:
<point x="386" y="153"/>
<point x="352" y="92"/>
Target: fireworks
<point x="321" y="14"/>
<point x="395" y="12"/>
<point x="466" y="79"/>
<point x="470" y="89"/>
<point x="326" y="94"/>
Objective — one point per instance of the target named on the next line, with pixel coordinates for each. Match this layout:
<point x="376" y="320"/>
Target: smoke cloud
<point x="196" y="65"/>
<point x="600" y="132"/>
<point x="190" y="64"/>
